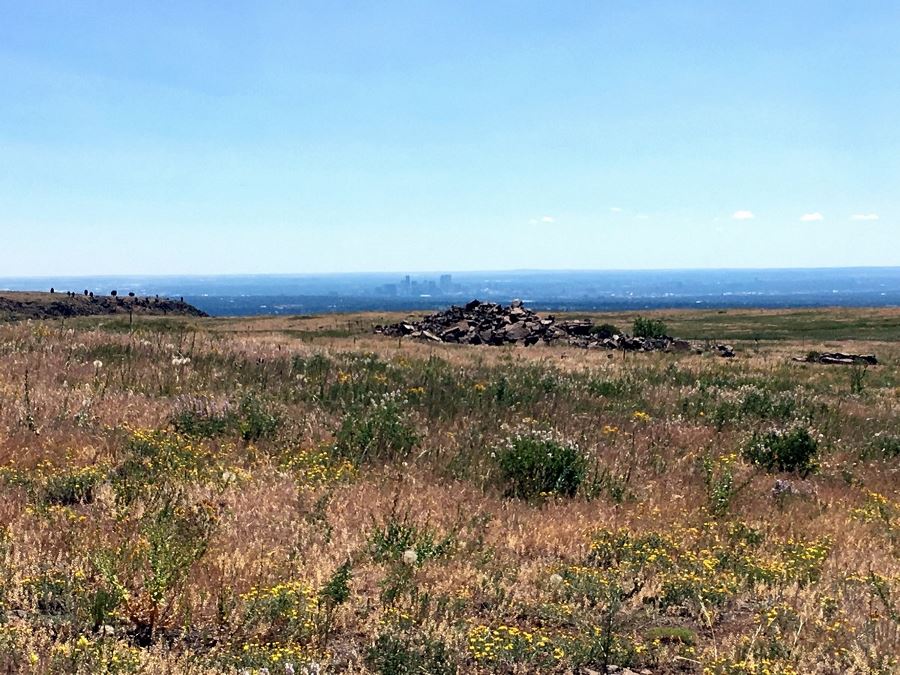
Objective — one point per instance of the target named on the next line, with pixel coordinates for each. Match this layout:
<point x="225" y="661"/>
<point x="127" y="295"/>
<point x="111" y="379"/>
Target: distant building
<point x="409" y="287"/>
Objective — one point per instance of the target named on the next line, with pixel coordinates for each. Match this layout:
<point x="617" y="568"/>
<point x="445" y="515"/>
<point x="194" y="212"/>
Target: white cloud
<point x="864" y="216"/>
<point x="548" y="219"/>
<point x="616" y="209"/>
<point x="642" y="216"/>
<point x="811" y="217"/>
<point x="743" y="215"/>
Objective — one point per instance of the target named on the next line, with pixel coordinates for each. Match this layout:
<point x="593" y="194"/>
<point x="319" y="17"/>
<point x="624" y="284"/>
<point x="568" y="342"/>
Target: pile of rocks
<point x="478" y="323"/>
<point x="488" y="323"/>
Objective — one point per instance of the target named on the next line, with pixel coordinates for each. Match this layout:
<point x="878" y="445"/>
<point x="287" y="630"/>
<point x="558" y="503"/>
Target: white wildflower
<point x="555" y="579"/>
<point x="98" y="364"/>
<point x="410" y="557"/>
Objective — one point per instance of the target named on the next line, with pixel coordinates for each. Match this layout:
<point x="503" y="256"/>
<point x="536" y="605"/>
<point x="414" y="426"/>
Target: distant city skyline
<point x="408" y="137"/>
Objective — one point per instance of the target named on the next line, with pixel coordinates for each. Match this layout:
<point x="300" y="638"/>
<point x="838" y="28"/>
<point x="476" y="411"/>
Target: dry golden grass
<point x="135" y="539"/>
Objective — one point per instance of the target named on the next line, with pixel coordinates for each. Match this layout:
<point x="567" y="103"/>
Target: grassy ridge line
<point x="826" y="324"/>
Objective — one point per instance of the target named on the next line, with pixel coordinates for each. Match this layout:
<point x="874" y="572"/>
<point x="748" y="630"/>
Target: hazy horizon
<point x="548" y="289"/>
<point x="386" y="272"/>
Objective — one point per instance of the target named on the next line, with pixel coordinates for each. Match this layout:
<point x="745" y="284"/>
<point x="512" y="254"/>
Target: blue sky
<point x="180" y="137"/>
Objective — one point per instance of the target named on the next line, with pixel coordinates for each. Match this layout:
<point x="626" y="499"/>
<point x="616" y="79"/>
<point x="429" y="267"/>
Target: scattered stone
<point x="784" y="488"/>
<point x="680" y="346"/>
<point x="839" y="358"/>
<point x="488" y="323"/>
<point x="726" y="351"/>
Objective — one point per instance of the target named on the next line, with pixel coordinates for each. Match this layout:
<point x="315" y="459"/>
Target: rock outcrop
<point x="16" y="305"/>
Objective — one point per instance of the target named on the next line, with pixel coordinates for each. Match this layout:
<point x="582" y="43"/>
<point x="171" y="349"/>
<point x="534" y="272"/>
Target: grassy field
<point x="295" y="494"/>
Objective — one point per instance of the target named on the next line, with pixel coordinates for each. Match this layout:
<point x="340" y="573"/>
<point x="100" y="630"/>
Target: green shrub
<point x="379" y="432"/>
<point x="73" y="487"/>
<point x="256" y="420"/>
<point x="535" y="464"/>
<point x="52" y="592"/>
<point x="337" y="590"/>
<point x="718" y="475"/>
<point x="107" y="592"/>
<point x="882" y="447"/>
<point x="648" y="328"/>
<point x="519" y="384"/>
<point x="610" y="388"/>
<point x="157" y="463"/>
<point x="201" y="419"/>
<point x="314" y="372"/>
<point x="409" y="652"/>
<point x="858" y="374"/>
<point x="397" y="535"/>
<point x="793" y="450"/>
<point x="671" y="635"/>
<point x="251" y="417"/>
<point x="279" y="614"/>
<point x="177" y="536"/>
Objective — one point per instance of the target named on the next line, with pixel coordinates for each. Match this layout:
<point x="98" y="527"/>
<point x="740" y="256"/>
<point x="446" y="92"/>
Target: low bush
<point x="408" y="652"/>
<point x="252" y="417"/>
<point x="611" y="388"/>
<point x="399" y="535"/>
<point x="73" y="487"/>
<point x="201" y="418"/>
<point x="380" y="432"/>
<point x="793" y="450"/>
<point x="718" y="475"/>
<point x="882" y="447"/>
<point x="648" y="328"/>
<point x="257" y="421"/>
<point x="671" y="635"/>
<point x="538" y="463"/>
